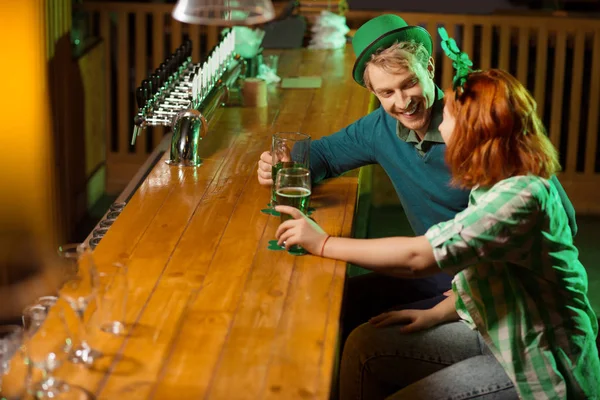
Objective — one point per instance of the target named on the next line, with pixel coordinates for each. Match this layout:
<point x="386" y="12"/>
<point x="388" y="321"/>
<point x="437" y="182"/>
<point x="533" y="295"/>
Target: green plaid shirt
<point x="519" y="282"/>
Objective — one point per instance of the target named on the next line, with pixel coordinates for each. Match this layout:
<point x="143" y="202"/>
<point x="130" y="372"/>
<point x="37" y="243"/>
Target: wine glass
<point x="33" y="317"/>
<point x="48" y="344"/>
<point x="47" y="301"/>
<point x="293" y="188"/>
<point x="11" y="338"/>
<point x="79" y="289"/>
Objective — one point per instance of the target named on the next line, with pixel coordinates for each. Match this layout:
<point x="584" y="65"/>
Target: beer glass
<point x="288" y="149"/>
<point x="79" y="290"/>
<point x="11" y="337"/>
<point x="293" y="188"/>
<point x="112" y="296"/>
<point x="48" y="344"/>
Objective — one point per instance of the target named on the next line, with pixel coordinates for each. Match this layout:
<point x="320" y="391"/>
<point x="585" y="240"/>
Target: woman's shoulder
<point x="528" y="183"/>
<point x="526" y="187"/>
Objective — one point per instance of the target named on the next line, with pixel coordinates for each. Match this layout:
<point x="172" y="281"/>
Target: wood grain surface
<point x="212" y="313"/>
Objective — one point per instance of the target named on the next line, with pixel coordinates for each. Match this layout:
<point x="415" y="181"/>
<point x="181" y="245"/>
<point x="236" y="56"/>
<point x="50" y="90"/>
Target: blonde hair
<point x="399" y="56"/>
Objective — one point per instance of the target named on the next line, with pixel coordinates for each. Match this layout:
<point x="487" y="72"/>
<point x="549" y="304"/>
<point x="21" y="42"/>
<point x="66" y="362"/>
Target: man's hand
<point x="264" y="169"/>
<point x="412" y="320"/>
<point x="300" y="230"/>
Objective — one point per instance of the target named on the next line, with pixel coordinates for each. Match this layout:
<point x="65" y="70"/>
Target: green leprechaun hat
<point x="381" y="32"/>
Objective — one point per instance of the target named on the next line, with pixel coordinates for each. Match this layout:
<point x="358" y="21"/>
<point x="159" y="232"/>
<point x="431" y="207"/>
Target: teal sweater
<point x="421" y="182"/>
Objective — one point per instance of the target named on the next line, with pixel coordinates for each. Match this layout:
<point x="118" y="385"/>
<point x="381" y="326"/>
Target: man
<point x="395" y="63"/>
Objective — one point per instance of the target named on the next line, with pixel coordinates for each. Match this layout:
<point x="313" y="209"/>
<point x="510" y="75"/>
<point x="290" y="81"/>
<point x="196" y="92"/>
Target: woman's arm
<point x="397" y="256"/>
<point x="404" y="257"/>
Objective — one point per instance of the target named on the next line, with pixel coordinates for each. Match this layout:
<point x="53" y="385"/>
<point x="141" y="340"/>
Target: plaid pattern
<point x="520" y="284"/>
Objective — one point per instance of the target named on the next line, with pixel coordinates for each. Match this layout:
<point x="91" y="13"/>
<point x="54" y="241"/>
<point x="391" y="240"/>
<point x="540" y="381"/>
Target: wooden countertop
<point x="214" y="314"/>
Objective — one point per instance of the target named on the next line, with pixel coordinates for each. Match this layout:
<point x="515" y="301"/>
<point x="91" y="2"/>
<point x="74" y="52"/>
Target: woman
<point x="517" y="322"/>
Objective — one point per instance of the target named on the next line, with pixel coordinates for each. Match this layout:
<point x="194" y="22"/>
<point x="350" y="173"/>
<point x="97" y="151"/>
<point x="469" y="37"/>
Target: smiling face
<point x="406" y="93"/>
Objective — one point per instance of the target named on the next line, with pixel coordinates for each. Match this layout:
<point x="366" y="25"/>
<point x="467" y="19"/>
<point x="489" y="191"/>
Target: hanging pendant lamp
<point x="224" y="12"/>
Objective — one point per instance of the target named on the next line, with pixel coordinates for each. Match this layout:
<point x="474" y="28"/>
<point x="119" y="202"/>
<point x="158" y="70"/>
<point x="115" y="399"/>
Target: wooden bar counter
<point x="213" y="313"/>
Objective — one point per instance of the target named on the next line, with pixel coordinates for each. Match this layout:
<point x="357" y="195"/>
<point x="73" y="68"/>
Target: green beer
<point x="274" y="170"/>
<point x="293" y="188"/>
<point x="298" y="197"/>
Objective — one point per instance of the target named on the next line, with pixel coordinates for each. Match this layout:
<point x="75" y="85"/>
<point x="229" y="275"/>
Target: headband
<point x="460" y="60"/>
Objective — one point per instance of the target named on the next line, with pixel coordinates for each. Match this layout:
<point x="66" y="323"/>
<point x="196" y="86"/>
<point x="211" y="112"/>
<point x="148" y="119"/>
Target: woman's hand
<point x="418" y="320"/>
<point x="300" y="230"/>
<point x="413" y="320"/>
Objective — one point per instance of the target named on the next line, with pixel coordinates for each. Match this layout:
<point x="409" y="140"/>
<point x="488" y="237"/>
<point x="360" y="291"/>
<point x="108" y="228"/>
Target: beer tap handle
<point x="174" y="65"/>
<point x="171" y="65"/>
<point x="188" y="49"/>
<point x="159" y="75"/>
<point x="164" y="67"/>
<point x="148" y="88"/>
<point x="194" y="89"/>
<point x="180" y="57"/>
<point x="176" y="61"/>
<point x="140" y="97"/>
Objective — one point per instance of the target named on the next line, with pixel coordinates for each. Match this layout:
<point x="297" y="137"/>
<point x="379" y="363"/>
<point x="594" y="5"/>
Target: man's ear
<point x="369" y="87"/>
<point x="431" y="67"/>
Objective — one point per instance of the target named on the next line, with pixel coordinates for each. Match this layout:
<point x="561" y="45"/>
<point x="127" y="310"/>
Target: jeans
<point x="449" y="361"/>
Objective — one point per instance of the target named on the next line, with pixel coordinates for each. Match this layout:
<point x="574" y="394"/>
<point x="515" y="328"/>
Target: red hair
<point x="497" y="133"/>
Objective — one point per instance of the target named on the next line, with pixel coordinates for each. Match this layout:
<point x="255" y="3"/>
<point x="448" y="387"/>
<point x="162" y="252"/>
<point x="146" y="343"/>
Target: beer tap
<point x="194" y="91"/>
<point x="139" y="120"/>
<point x="145" y="115"/>
<point x="183" y="95"/>
<point x="205" y="74"/>
<point x="202" y="83"/>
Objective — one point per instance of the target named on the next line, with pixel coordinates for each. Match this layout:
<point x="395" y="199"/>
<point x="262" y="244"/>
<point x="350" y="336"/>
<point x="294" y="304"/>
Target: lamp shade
<point x="224" y="12"/>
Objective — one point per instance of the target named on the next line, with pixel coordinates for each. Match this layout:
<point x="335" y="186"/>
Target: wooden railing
<point x="558" y="59"/>
<point x="310" y="9"/>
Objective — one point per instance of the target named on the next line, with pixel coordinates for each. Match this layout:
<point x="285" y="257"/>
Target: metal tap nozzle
<point x="189" y="127"/>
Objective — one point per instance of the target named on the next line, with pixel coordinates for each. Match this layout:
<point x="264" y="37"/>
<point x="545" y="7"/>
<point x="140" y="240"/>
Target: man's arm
<point x="569" y="209"/>
<point x="335" y="154"/>
<point x="349" y="148"/>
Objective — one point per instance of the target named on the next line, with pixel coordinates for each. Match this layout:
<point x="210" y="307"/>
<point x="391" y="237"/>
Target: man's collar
<point x="433" y="134"/>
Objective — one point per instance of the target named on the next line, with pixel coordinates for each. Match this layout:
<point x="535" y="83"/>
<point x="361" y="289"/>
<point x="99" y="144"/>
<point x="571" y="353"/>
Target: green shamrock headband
<point x="462" y="64"/>
<point x="460" y="60"/>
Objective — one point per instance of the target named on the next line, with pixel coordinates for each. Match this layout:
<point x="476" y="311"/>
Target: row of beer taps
<point x="178" y="84"/>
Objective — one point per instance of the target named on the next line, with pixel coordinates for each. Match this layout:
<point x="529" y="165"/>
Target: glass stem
<point x="82" y="328"/>
<point x="47" y="376"/>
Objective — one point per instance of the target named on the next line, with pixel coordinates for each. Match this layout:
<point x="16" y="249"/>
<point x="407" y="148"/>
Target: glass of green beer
<point x="289" y="150"/>
<point x="293" y="188"/>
